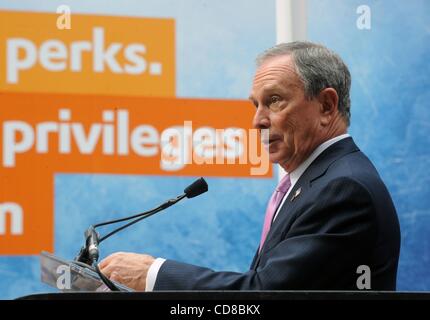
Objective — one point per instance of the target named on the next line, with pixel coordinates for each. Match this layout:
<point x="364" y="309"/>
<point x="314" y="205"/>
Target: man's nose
<point x="261" y="118"/>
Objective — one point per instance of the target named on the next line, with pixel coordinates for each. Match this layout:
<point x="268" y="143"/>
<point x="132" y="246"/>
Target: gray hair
<point x="318" y="67"/>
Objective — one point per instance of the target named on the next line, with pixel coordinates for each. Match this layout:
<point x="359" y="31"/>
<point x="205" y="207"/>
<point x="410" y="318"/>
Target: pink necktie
<point x="274" y="202"/>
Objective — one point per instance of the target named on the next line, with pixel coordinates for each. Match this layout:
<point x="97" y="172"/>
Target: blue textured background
<point x="217" y="42"/>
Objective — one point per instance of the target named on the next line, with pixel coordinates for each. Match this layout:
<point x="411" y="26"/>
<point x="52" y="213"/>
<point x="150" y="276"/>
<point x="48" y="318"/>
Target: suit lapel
<point x="298" y="194"/>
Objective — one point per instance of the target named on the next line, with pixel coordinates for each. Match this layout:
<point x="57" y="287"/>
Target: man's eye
<point x="274" y="99"/>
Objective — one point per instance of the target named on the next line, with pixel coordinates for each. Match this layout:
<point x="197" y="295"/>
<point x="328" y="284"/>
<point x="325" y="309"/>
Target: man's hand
<point x="129" y="269"/>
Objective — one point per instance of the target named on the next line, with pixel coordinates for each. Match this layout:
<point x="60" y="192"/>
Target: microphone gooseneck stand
<point x="89" y="253"/>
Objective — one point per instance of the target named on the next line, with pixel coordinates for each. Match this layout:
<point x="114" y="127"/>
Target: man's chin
<point x="277" y="159"/>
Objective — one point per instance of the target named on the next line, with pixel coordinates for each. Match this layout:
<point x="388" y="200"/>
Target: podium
<point x="231" y="296"/>
<point x="72" y="276"/>
<point x="86" y="285"/>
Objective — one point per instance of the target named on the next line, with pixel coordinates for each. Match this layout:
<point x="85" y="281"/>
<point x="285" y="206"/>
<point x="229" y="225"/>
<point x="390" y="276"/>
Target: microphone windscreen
<point x="196" y="188"/>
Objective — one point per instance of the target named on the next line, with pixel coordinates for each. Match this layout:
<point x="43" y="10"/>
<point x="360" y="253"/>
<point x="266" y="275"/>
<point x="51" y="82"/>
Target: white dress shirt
<point x="294" y="177"/>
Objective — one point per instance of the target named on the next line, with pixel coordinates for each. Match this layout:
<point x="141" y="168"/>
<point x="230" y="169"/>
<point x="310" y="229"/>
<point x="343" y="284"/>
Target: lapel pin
<point x="296" y="194"/>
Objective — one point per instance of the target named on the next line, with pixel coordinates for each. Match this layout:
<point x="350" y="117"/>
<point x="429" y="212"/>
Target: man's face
<point x="281" y="106"/>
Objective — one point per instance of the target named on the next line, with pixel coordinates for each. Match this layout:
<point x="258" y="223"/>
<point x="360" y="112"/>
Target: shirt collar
<point x="296" y="174"/>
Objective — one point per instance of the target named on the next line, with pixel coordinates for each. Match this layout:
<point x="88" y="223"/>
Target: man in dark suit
<point x="330" y="217"/>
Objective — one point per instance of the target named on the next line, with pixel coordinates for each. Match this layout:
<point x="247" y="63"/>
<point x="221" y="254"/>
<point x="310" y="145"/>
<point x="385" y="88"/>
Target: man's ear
<point x="328" y="100"/>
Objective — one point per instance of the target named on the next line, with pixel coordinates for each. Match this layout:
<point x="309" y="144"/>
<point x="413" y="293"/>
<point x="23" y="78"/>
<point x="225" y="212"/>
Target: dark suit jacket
<point x="342" y="218"/>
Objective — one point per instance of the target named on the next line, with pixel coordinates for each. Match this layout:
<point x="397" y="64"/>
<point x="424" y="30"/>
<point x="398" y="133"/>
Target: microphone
<point x="89" y="253"/>
<point x="196" y="188"/>
<point x="92" y="243"/>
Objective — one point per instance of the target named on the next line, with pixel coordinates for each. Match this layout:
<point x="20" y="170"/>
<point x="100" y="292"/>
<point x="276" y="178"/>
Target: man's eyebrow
<point x="272" y="88"/>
